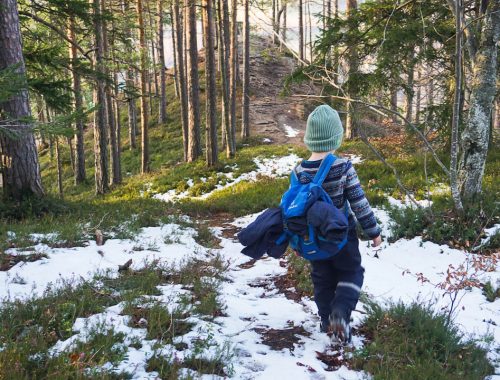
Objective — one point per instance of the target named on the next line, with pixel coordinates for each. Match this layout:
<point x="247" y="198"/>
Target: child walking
<point x="337" y="281"/>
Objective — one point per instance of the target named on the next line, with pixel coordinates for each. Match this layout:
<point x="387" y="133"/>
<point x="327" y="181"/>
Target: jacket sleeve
<point x="359" y="204"/>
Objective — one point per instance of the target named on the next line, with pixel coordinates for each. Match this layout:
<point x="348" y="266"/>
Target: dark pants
<point x="337" y="281"/>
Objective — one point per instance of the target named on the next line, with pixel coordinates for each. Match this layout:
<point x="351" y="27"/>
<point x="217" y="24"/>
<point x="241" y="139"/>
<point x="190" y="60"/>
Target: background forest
<point x="117" y="116"/>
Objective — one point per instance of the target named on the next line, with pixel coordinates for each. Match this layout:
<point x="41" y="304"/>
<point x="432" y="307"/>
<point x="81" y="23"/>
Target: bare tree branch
<point x="377" y="108"/>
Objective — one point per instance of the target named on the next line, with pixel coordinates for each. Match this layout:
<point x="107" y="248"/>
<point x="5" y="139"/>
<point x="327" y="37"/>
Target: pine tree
<point x="100" y="117"/>
<point x="194" y="148"/>
<point x="20" y="167"/>
<point x="245" y="127"/>
<point x="161" y="58"/>
<point x="144" y="92"/>
<point x="211" y="98"/>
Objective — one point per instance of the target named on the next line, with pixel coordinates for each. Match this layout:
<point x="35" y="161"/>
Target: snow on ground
<point x="269" y="167"/>
<point x="390" y="276"/>
<point x="290" y="131"/>
<point x="82" y="262"/>
<point x="274" y="167"/>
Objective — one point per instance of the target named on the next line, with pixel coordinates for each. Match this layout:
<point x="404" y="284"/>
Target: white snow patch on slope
<point x="289" y="131"/>
<point x="269" y="167"/>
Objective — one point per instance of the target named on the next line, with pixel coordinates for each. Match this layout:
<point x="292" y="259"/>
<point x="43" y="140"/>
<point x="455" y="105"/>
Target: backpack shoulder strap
<point x="294" y="179"/>
<point x="324" y="168"/>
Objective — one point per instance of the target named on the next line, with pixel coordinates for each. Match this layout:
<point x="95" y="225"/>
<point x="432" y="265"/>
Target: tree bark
<point x="352" y="88"/>
<point x="20" y="167"/>
<point x="455" y="124"/>
<point x="410" y="92"/>
<point x="161" y="58"/>
<point x="245" y="127"/>
<point x="194" y="146"/>
<point x="233" y="76"/>
<point x="211" y="96"/>
<point x="394" y="104"/>
<point x="77" y="105"/>
<point x="475" y="137"/>
<point x="223" y="13"/>
<point x="100" y="122"/>
<point x="116" y="109"/>
<point x="283" y="29"/>
<point x="59" y="169"/>
<point x="144" y="92"/>
<point x="418" y="100"/>
<point x="130" y="85"/>
<point x="179" y="52"/>
<point x="174" y="53"/>
<point x="114" y="159"/>
<point x="301" y="30"/>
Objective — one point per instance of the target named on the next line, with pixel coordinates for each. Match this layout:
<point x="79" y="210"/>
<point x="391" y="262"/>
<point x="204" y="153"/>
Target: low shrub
<point x="415" y="342"/>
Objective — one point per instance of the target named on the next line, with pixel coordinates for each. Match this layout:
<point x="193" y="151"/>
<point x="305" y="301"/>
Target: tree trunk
<point x="233" y="75"/>
<point x="161" y="59"/>
<point x="223" y="13"/>
<point x="352" y="88"/>
<point x="130" y="85"/>
<point x="71" y="154"/>
<point x="273" y="20"/>
<point x="100" y="122"/>
<point x="310" y="31"/>
<point x="173" y="36"/>
<point x="336" y="57"/>
<point x="59" y="169"/>
<point x="194" y="146"/>
<point x="455" y="124"/>
<point x="116" y="109"/>
<point x="245" y="127"/>
<point x="475" y="137"/>
<point x="418" y="100"/>
<point x="114" y="160"/>
<point x="410" y="88"/>
<point x="153" y="73"/>
<point x="394" y="104"/>
<point x="211" y="94"/>
<point x="179" y="52"/>
<point x="144" y="92"/>
<point x="283" y="29"/>
<point x="301" y="30"/>
<point x="77" y="105"/>
<point x="131" y="108"/>
<point x="20" y="167"/>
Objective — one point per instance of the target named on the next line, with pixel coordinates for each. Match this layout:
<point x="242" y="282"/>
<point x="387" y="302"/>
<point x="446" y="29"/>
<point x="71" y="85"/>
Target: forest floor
<point x="239" y="318"/>
<point x="149" y="281"/>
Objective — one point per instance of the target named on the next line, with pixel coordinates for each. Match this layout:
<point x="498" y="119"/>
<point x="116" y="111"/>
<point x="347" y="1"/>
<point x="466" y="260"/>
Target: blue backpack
<point x="296" y="202"/>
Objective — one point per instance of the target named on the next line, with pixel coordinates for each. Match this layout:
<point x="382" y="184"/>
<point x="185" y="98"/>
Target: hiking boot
<point x="324" y="325"/>
<point x="339" y="326"/>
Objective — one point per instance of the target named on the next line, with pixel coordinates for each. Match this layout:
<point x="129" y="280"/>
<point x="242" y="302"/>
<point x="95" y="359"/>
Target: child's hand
<point x="377" y="241"/>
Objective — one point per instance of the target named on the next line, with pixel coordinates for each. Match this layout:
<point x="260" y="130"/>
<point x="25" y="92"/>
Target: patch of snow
<point x="173" y="195"/>
<point x="78" y="263"/>
<point x="289" y="131"/>
<point x="406" y="202"/>
<point x="489" y="232"/>
<point x="355" y="159"/>
<point x="37" y="238"/>
<point x="270" y="167"/>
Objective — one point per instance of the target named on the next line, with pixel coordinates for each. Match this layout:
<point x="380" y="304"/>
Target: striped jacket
<point x="342" y="184"/>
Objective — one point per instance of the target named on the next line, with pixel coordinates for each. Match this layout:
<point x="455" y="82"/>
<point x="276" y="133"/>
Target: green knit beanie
<point x="324" y="130"/>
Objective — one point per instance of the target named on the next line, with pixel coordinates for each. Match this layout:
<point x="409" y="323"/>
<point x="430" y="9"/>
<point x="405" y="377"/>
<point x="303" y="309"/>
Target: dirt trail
<point x="278" y="117"/>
